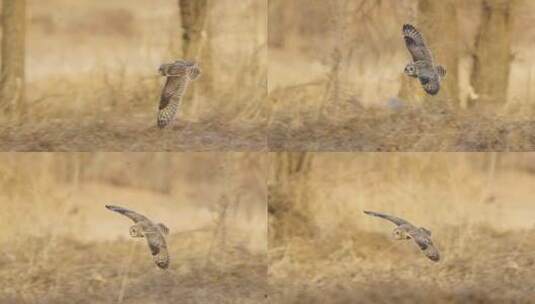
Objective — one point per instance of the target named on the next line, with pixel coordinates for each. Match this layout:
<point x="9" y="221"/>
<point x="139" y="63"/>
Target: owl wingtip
<point x="112" y="207"/>
<point x="435" y="258"/>
<point x="369" y="212"/>
<point x="162" y="265"/>
<point x="161" y="121"/>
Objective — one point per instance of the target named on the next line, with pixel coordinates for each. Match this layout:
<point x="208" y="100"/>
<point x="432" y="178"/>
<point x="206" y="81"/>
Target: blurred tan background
<point x="479" y="207"/>
<point x="60" y="244"/>
<point x="91" y="68"/>
<point x="336" y="67"/>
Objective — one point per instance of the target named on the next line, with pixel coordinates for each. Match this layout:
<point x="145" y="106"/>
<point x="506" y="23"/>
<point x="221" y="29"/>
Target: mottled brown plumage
<point x="154" y="233"/>
<point x="178" y="74"/>
<point x="406" y="231"/>
<point x="422" y="65"/>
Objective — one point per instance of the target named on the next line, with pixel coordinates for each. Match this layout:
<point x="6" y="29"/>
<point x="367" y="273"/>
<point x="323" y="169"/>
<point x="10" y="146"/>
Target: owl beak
<point x="162" y="70"/>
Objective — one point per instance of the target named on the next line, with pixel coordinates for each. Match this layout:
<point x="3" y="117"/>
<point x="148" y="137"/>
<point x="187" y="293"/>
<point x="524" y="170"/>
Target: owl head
<point x="163" y="70"/>
<point x="135" y="231"/>
<point x="399" y="234"/>
<point x="180" y="67"/>
<point x="410" y="69"/>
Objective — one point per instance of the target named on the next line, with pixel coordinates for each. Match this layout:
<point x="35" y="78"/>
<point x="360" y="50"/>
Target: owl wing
<point x="158" y="249"/>
<point x="136" y="217"/>
<point x="172" y="92"/>
<point x="396" y="220"/>
<point x="424" y="242"/>
<point x="416" y="44"/>
<point x="173" y="89"/>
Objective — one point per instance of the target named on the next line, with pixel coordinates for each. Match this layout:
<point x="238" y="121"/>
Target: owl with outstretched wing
<point x="179" y="74"/>
<point x="422" y="65"/>
<point x="153" y="233"/>
<point x="406" y="231"/>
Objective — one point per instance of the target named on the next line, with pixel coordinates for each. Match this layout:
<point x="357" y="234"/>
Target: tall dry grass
<point x="59" y="243"/>
<point x="92" y="70"/>
<point x="478" y="207"/>
<point x="336" y="70"/>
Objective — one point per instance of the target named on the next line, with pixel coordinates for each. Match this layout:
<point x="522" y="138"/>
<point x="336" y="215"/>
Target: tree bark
<point x="437" y="21"/>
<point x="13" y="52"/>
<point x="193" y="16"/>
<point x="288" y="195"/>
<point x="492" y="58"/>
<point x="195" y="46"/>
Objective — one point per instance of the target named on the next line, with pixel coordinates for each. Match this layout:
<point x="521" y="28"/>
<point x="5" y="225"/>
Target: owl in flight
<point x="154" y="233"/>
<point x="422" y="65"/>
<point x="406" y="231"/>
<point x="179" y="74"/>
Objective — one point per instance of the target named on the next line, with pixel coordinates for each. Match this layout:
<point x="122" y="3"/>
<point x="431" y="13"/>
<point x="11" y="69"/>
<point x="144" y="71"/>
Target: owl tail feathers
<point x="163" y="228"/>
<point x="441" y="71"/>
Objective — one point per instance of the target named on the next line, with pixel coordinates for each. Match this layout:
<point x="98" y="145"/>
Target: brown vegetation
<point x="93" y="73"/>
<point x="12" y="79"/>
<point x="60" y="245"/>
<point x="336" y="78"/>
<point x="478" y="207"/>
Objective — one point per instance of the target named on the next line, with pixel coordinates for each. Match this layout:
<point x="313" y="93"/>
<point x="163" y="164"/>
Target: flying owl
<point x="178" y="74"/>
<point x="406" y="230"/>
<point x="154" y="233"/>
<point x="422" y="65"/>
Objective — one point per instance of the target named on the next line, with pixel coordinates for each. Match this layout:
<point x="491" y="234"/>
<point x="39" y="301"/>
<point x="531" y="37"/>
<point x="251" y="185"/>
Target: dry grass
<point x="430" y="128"/>
<point x="134" y="134"/>
<point x="335" y="72"/>
<point x="62" y="246"/>
<point x="481" y="266"/>
<point x="478" y="206"/>
<point x="42" y="270"/>
<point x="92" y="74"/>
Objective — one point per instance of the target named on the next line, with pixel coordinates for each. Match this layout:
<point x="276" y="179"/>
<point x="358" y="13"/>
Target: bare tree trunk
<point x="490" y="75"/>
<point x="13" y="51"/>
<point x="193" y="17"/>
<point x="288" y="195"/>
<point x="437" y="20"/>
<point x="195" y="46"/>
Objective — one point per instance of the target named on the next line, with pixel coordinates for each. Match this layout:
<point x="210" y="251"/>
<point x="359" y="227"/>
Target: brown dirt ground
<point x="137" y="134"/>
<point x="412" y="129"/>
